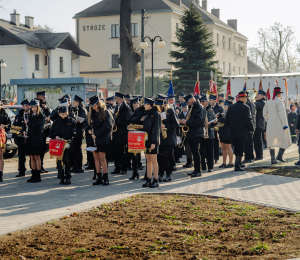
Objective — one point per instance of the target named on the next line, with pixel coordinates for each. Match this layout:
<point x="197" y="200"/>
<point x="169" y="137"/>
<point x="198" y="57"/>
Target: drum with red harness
<point x="57" y="148"/>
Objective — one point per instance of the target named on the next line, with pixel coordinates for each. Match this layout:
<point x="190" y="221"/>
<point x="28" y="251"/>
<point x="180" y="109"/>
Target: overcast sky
<point x="251" y="14"/>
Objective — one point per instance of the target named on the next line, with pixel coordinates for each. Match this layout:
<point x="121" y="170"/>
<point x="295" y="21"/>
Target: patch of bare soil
<point x="286" y="172"/>
<point x="162" y="227"/>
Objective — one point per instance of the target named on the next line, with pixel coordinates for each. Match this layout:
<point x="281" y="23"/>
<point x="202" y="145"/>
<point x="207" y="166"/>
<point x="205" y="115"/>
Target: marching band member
<point x="100" y="127"/>
<point x="171" y="101"/>
<point x="33" y="132"/>
<point x="64" y="128"/>
<point x="136" y="118"/>
<point x="219" y="112"/>
<point x="181" y="99"/>
<point x="152" y="125"/>
<point x="231" y="99"/>
<point x="226" y="140"/>
<point x="20" y="141"/>
<point x="195" y="121"/>
<point x="79" y="111"/>
<point x="127" y="99"/>
<point x="260" y="125"/>
<point x="278" y="134"/>
<point x="239" y="119"/>
<point x="221" y="98"/>
<point x="110" y="101"/>
<point x="167" y="143"/>
<point x="120" y="136"/>
<point x="45" y="110"/>
<point x="207" y="143"/>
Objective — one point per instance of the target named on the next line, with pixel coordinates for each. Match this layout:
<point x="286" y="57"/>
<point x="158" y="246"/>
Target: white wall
<point x="43" y="69"/>
<point x="54" y="67"/>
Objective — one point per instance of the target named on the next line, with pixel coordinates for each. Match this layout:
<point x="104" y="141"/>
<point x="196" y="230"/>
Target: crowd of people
<point x="200" y="127"/>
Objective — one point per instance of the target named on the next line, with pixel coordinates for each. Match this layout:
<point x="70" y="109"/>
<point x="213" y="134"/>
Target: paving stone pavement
<point x="23" y="204"/>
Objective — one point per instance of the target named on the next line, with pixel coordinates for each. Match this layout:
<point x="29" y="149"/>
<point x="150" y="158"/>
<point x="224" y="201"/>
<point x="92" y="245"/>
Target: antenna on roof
<point x="14" y="11"/>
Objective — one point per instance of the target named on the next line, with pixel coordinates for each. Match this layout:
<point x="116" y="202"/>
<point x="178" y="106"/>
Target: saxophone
<point x="185" y="128"/>
<point x="115" y="128"/>
<point x="164" y="130"/>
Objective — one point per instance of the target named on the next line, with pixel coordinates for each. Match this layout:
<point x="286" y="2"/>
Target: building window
<point x="240" y="71"/>
<point x="229" y="43"/>
<point x="115" y="31"/>
<point x="115" y="61"/>
<point x="134" y="30"/>
<point x="37" y="62"/>
<point x="46" y="60"/>
<point x="177" y="26"/>
<point x="223" y="41"/>
<point x="244" y="70"/>
<point x="224" y="67"/>
<point x="218" y="66"/>
<point x="229" y="67"/>
<point x="234" y="48"/>
<point x="217" y="39"/>
<point x="61" y="64"/>
<point x="239" y="50"/>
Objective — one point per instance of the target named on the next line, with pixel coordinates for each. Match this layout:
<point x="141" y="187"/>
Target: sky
<point x="251" y="14"/>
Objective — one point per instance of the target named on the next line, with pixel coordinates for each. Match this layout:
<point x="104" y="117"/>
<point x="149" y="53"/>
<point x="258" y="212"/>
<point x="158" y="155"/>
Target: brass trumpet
<point x="16" y="129"/>
<point x="134" y="127"/>
<point x="115" y="128"/>
<point x="184" y="130"/>
<point x="218" y="126"/>
<point x="164" y="133"/>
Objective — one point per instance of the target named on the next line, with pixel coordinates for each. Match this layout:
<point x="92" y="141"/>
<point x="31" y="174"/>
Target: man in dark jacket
<point x="195" y="121"/>
<point x="20" y="141"/>
<point x="219" y="112"/>
<point x="120" y="136"/>
<point x="239" y="119"/>
<point x="260" y="125"/>
<point x="249" y="152"/>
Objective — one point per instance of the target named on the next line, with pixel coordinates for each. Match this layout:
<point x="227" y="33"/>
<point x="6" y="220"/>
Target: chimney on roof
<point x="216" y="12"/>
<point x="29" y="22"/>
<point x="15" y="18"/>
<point x="232" y="23"/>
<point x="178" y="2"/>
<point x="204" y="4"/>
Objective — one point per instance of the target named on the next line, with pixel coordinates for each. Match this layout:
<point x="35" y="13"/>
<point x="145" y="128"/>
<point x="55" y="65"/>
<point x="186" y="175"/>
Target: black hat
<point x="242" y="94"/>
<point x="227" y="103"/>
<point x="161" y="96"/>
<point x="188" y="97"/>
<point x="261" y="92"/>
<point x="77" y="98"/>
<point x="213" y="97"/>
<point x="118" y="94"/>
<point x="184" y="104"/>
<point x="94" y="100"/>
<point x="34" y="102"/>
<point x="64" y="103"/>
<point x="25" y="102"/>
<point x="159" y="102"/>
<point x="230" y="98"/>
<point x="134" y="100"/>
<point x="221" y="95"/>
<point x="171" y="96"/>
<point x="182" y="94"/>
<point x="41" y="93"/>
<point x="110" y="98"/>
<point x="197" y="97"/>
<point x="67" y="96"/>
<point x="277" y="89"/>
<point x="149" y="101"/>
<point x="128" y="96"/>
<point x="62" y="110"/>
<point x="221" y="101"/>
<point x="61" y="99"/>
<point x="203" y="98"/>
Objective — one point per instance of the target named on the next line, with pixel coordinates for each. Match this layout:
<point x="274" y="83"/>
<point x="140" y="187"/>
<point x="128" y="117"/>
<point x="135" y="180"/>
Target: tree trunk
<point x="128" y="56"/>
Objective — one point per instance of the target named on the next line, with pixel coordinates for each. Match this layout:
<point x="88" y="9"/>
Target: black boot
<point x="160" y="177"/>
<point x="44" y="171"/>
<point x="95" y="175"/>
<point x="273" y="159"/>
<point x="68" y="178"/>
<point x="298" y="163"/>
<point x="135" y="173"/>
<point x="154" y="184"/>
<point x="147" y="184"/>
<point x="32" y="176"/>
<point x="237" y="166"/>
<point x="1" y="176"/>
<point x="21" y="174"/>
<point x="280" y="154"/>
<point x="99" y="180"/>
<point x="168" y="178"/>
<point x="105" y="179"/>
<point x="37" y="176"/>
<point x="116" y="171"/>
<point x="62" y="180"/>
<point x="189" y="163"/>
<point x="196" y="174"/>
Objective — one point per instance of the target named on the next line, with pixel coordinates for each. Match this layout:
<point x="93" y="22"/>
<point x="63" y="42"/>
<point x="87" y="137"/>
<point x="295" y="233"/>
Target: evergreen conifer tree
<point x="193" y="52"/>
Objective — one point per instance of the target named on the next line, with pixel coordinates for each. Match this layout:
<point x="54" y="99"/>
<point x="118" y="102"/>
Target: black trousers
<point x="134" y="159"/>
<point x="43" y="151"/>
<point x="207" y="152"/>
<point x="139" y="160"/>
<point x="90" y="157"/>
<point x="249" y="151"/>
<point x="195" y="148"/>
<point x="119" y="156"/>
<point x="239" y="146"/>
<point x="77" y="143"/>
<point x="66" y="162"/>
<point x="258" y="142"/>
<point x="216" y="147"/>
<point x="176" y="153"/>
<point x="21" y="154"/>
<point x="129" y="157"/>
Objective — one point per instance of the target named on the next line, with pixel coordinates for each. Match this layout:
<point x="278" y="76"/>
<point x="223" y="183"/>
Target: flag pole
<point x="171" y="72"/>
<point x="197" y="76"/>
<point x="296" y="91"/>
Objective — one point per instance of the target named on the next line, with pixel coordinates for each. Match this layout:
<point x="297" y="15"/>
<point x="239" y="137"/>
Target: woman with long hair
<point x="225" y="140"/>
<point x="100" y="127"/>
<point x="33" y="132"/>
<point x="152" y="125"/>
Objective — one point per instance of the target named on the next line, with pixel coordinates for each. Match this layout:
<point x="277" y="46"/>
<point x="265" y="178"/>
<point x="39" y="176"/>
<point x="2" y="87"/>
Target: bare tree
<point x="46" y="27"/>
<point x="129" y="57"/>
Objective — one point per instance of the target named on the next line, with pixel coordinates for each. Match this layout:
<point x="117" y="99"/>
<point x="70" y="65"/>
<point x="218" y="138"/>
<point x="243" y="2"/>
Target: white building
<point x="32" y="52"/>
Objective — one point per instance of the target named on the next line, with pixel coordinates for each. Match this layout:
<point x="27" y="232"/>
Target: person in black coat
<point x="100" y="127"/>
<point x="170" y="122"/>
<point x="64" y="128"/>
<point x="219" y="112"/>
<point x="239" y="119"/>
<point x="207" y="143"/>
<point x="19" y="140"/>
<point x="152" y="126"/>
<point x="260" y="125"/>
<point x="79" y="112"/>
<point x="33" y="132"/>
<point x="249" y="151"/>
<point x="292" y="120"/>
<point x="195" y="121"/>
<point x="120" y="136"/>
<point x="45" y="110"/>
<point x="226" y="140"/>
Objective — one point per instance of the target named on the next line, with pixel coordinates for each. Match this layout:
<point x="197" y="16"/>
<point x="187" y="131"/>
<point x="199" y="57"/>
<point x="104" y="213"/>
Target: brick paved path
<point x="25" y="204"/>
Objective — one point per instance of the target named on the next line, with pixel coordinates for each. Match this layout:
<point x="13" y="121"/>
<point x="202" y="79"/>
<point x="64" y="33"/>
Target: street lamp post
<point x="144" y="45"/>
<point x="2" y="65"/>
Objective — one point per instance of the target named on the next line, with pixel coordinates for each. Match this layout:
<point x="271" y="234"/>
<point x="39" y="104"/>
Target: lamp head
<point x="144" y="45"/>
<point x="161" y="44"/>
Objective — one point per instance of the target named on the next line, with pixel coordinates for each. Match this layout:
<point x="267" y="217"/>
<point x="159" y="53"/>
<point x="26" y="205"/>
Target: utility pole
<point x="143" y="93"/>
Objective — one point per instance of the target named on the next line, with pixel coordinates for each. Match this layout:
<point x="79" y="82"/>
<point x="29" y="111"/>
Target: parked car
<point x="11" y="149"/>
<point x="14" y="108"/>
